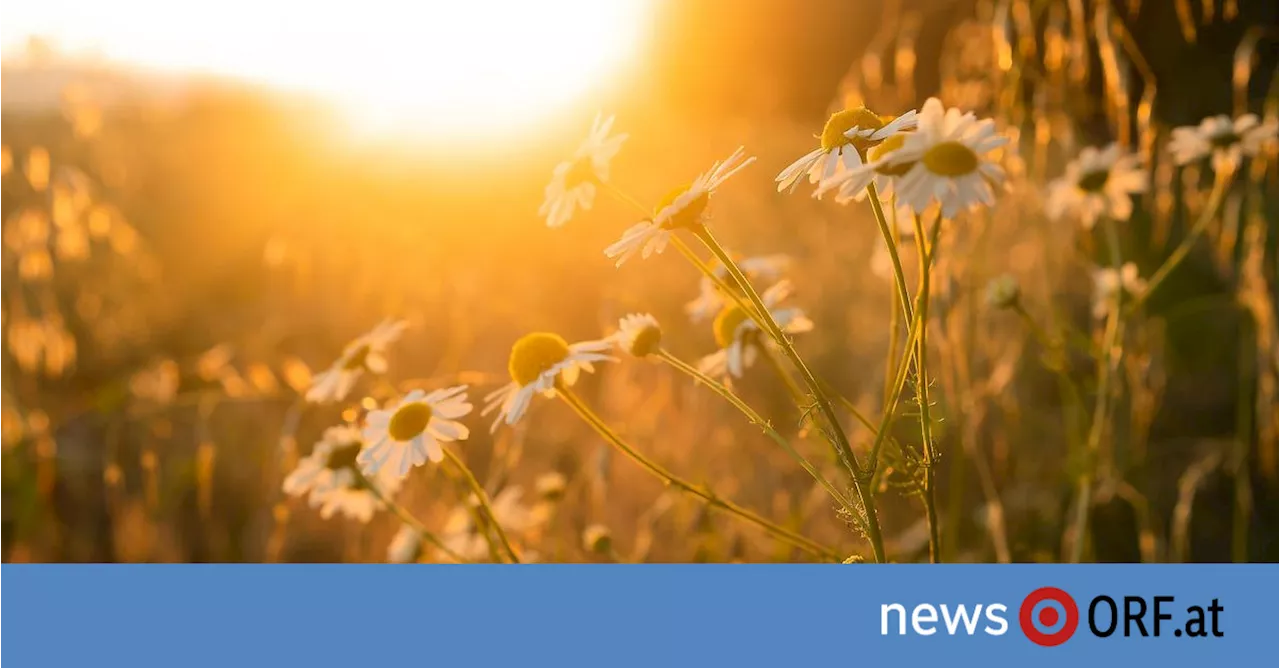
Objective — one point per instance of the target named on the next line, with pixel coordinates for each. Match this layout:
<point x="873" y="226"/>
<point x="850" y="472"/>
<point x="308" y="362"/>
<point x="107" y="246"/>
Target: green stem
<point x="922" y="385"/>
<point x="839" y="439"/>
<point x="899" y="278"/>
<point x="409" y="519"/>
<point x="786" y="535"/>
<point x="837" y="436"/>
<point x="482" y="498"/>
<point x="1216" y="198"/>
<point x="754" y="418"/>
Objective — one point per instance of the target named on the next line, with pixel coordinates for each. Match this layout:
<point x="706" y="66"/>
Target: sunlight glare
<point x="450" y="70"/>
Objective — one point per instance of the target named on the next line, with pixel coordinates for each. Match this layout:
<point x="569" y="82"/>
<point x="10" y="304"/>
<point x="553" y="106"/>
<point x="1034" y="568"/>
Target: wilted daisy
<point x="329" y="478"/>
<point x="1226" y="140"/>
<point x="573" y="182"/>
<point x="411" y="431"/>
<point x="1106" y="281"/>
<point x="366" y="353"/>
<point x="1097" y="183"/>
<point x="462" y="536"/>
<point x="537" y="361"/>
<point x="639" y="334"/>
<point x="681" y="208"/>
<point x="845" y="139"/>
<point x="944" y="161"/>
<point x="739" y="337"/>
<point x="406" y="546"/>
<point x="764" y="268"/>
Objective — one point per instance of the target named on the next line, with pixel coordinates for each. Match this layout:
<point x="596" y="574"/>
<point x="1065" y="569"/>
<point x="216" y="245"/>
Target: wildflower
<point x="944" y="161"/>
<point x="550" y="486"/>
<point x="462" y="536"/>
<point x="765" y="268"/>
<point x="845" y="139"/>
<point x="1004" y="292"/>
<point x="573" y="182"/>
<point x="739" y="336"/>
<point x="411" y="432"/>
<point x="537" y="362"/>
<point x="1097" y="183"/>
<point x="406" y="546"/>
<point x="851" y="185"/>
<point x="1106" y="281"/>
<point x="329" y="478"/>
<point x="366" y="353"/>
<point x="597" y="539"/>
<point x="1225" y="140"/>
<point x="639" y="334"/>
<point x="681" y="208"/>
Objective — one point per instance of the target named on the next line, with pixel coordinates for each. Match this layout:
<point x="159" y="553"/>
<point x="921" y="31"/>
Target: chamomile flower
<point x="405" y="547"/>
<point x="845" y="139"/>
<point x="639" y="334"/>
<point x="366" y="353"/>
<point x="410" y="432"/>
<point x="739" y="337"/>
<point x="851" y="184"/>
<point x="764" y="268"/>
<point x="681" y="208"/>
<point x="537" y="361"/>
<point x="1106" y="281"/>
<point x="462" y="536"/>
<point x="1097" y="183"/>
<point x="573" y="182"/>
<point x="1227" y="141"/>
<point x="944" y="161"/>
<point x="329" y="479"/>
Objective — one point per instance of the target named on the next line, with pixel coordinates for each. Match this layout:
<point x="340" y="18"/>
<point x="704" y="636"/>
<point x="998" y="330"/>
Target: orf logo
<point x="1048" y="616"/>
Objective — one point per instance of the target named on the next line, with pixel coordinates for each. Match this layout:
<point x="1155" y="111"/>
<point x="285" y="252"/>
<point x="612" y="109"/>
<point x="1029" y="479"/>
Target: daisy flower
<point x="639" y="334"/>
<point x="845" y="140"/>
<point x="462" y="536"/>
<point x="1227" y="141"/>
<point x="681" y="208"/>
<point x="366" y="353"/>
<point x="573" y="182"/>
<point x="405" y="547"/>
<point x="537" y="361"/>
<point x="329" y="478"/>
<point x="765" y="268"/>
<point x="851" y="184"/>
<point x="1106" y="281"/>
<point x="410" y="432"/>
<point x="739" y="337"/>
<point x="1097" y="183"/>
<point x="944" y="160"/>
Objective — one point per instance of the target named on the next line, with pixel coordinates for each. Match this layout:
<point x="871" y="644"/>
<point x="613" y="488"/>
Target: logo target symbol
<point x="1048" y="616"/>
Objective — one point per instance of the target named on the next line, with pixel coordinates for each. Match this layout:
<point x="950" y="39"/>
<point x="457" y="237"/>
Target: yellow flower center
<point x="688" y="217"/>
<point x="1092" y="182"/>
<point x="357" y="359"/>
<point x="843" y="121"/>
<point x="343" y="456"/>
<point x="409" y="420"/>
<point x="646" y="341"/>
<point x="886" y="147"/>
<point x="726" y="324"/>
<point x="951" y="158"/>
<point x="580" y="172"/>
<point x="535" y="354"/>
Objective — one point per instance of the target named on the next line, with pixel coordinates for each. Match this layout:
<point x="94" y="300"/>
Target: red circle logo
<point x="1048" y="616"/>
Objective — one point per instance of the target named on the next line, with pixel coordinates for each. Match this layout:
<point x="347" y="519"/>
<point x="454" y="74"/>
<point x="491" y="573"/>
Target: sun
<point x="446" y="69"/>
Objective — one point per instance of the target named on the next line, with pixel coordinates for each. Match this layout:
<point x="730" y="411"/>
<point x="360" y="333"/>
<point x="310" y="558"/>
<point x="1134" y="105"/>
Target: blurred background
<point x="202" y="205"/>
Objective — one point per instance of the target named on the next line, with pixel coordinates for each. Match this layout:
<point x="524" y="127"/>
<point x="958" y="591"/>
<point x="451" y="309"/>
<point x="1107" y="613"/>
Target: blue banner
<point x="653" y="615"/>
